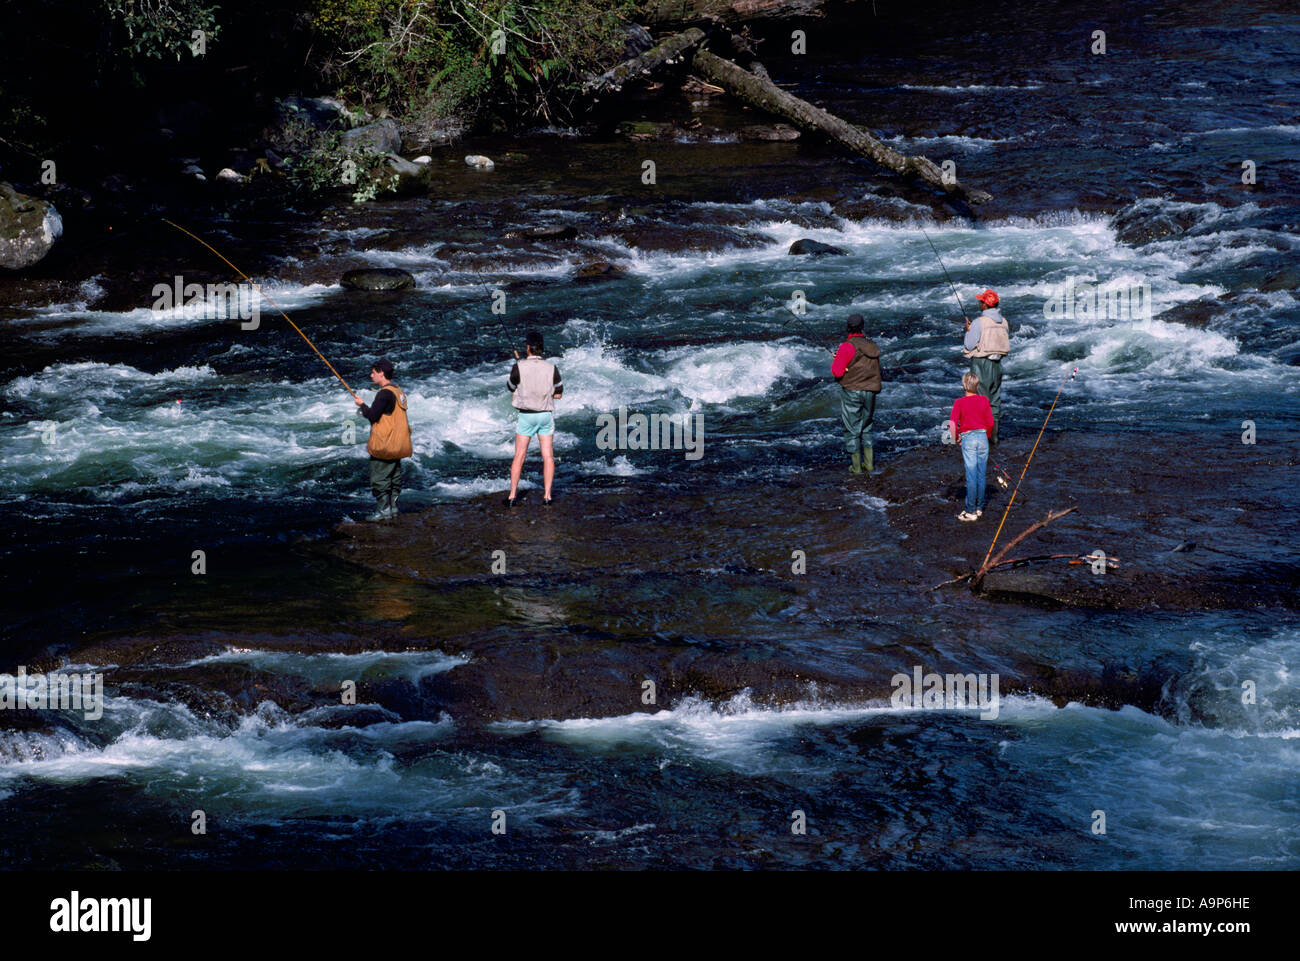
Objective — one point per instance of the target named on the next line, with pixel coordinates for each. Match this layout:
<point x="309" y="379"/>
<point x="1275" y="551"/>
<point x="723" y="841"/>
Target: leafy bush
<point x="439" y="57"/>
<point x="158" y="28"/>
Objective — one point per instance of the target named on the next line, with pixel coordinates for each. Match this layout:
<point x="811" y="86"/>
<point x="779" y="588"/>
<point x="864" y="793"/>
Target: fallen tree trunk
<point x="666" y="52"/>
<point x="767" y="96"/>
<point x="727" y="11"/>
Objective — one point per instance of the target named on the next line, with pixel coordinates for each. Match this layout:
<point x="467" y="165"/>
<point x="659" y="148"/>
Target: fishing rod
<point x="998" y="532"/>
<point x="258" y="288"/>
<point x="951" y="285"/>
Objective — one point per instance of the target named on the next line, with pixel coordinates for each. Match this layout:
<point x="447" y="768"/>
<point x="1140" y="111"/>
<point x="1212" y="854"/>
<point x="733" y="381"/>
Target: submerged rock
<point x="479" y="162"/>
<point x="601" y="269"/>
<point x="378" y="278"/>
<point x="548" y="232"/>
<point x="813" y="248"/>
<point x="1151" y="219"/>
<point x="768" y="132"/>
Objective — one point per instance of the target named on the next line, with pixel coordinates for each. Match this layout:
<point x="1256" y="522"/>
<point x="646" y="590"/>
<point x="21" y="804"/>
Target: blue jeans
<point x="975" y="455"/>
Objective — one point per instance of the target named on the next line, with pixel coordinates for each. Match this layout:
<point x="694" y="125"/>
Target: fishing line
<point x="998" y="532"/>
<point x="807" y="330"/>
<point x="269" y="300"/>
<point x="951" y="285"/>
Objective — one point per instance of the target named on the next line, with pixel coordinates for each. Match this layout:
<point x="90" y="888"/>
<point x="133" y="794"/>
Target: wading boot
<point x="381" y="510"/>
<point x="867" y="461"/>
<point x="856" y="466"/>
<point x="391" y="511"/>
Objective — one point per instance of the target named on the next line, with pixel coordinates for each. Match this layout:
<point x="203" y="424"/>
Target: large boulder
<point x="28" y="228"/>
<point x="813" y="248"/>
<point x="382" y="136"/>
<point x="377" y="278"/>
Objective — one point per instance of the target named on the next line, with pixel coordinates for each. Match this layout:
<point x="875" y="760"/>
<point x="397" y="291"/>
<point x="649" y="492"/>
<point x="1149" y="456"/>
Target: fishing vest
<point x="536" y="385"/>
<point x="390" y="436"/>
<point x="863" y="372"/>
<point x="995" y="336"/>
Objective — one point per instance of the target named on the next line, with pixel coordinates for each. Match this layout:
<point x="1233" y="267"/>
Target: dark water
<point x="1121" y="169"/>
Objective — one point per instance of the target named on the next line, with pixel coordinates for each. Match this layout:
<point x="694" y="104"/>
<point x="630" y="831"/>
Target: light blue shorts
<point x="536" y="425"/>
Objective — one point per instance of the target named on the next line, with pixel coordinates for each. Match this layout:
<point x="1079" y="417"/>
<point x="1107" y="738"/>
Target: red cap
<point x="989" y="298"/>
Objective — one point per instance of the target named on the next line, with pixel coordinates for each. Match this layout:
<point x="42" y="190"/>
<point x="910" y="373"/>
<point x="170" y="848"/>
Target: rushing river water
<point x="172" y="433"/>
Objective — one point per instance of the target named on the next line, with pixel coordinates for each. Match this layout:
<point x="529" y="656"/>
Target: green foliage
<point x="439" y="57"/>
<point x="159" y="28"/>
<point x="322" y="164"/>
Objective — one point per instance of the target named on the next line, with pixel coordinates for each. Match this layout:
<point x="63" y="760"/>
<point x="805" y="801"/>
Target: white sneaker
<point x="979" y="513"/>
<point x="967" y="516"/>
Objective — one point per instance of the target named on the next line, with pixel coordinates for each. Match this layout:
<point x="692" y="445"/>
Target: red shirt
<point x="972" y="412"/>
<point x="842" y="357"/>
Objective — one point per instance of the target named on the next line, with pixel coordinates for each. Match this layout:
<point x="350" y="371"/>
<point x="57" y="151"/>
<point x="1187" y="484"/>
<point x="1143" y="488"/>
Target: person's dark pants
<point x="990" y="374"/>
<point x="857" y="410"/>
<point x="385" y="480"/>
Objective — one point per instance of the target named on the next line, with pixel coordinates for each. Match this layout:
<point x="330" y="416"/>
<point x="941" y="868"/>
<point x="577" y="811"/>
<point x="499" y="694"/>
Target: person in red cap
<point x="988" y="340"/>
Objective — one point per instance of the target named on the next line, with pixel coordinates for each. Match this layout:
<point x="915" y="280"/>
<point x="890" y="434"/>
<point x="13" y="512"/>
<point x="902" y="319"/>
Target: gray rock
<point x="227" y="176"/>
<point x="411" y="177"/>
<point x="480" y="162"/>
<point x="405" y="167"/>
<point x="382" y="135"/>
<point x="28" y="228"/>
<point x="377" y="278"/>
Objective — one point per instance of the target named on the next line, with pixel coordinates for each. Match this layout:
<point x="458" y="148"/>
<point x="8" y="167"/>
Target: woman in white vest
<point x="988" y="340"/>
<point x="536" y="386"/>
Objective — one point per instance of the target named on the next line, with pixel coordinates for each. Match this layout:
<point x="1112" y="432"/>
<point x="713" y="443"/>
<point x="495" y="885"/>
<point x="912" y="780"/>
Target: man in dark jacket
<point x="857" y="368"/>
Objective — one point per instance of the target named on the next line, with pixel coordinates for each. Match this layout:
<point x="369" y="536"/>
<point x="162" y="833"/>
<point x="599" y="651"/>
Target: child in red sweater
<point x="970" y="424"/>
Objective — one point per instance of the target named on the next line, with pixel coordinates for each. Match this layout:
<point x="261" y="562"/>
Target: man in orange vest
<point x="987" y="341"/>
<point x="390" y="439"/>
